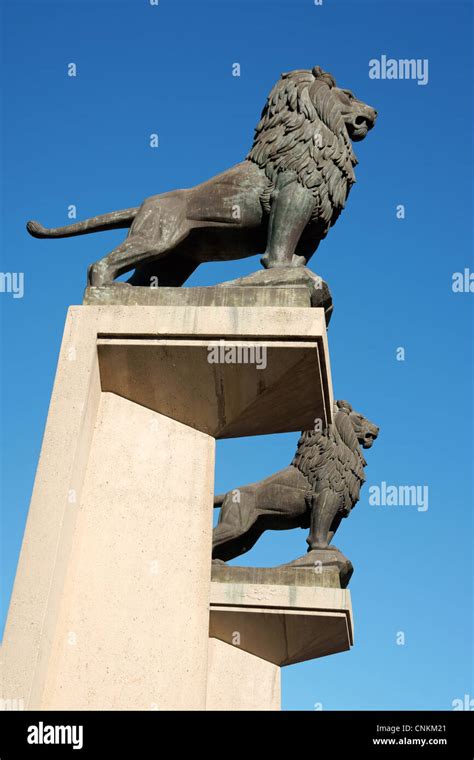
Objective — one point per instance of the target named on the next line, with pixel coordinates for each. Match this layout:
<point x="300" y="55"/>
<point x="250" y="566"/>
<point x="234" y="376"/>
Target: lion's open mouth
<point x="369" y="438"/>
<point x="360" y="125"/>
<point x="359" y="128"/>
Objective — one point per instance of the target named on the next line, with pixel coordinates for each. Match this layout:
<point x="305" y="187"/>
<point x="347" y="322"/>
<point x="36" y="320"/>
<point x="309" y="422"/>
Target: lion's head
<point x="365" y="431"/>
<point x="306" y="127"/>
<point x="358" y="117"/>
<point x="332" y="457"/>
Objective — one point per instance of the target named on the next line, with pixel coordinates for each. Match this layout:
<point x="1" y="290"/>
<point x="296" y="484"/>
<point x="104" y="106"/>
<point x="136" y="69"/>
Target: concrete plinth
<point x="283" y="621"/>
<point x="110" y="608"/>
<point x="262" y="619"/>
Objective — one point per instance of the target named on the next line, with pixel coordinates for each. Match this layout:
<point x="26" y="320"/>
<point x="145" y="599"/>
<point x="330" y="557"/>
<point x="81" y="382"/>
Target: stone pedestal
<point x="113" y="603"/>
<point x="280" y="617"/>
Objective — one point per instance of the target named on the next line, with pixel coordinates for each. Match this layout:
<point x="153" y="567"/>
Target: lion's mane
<point x="333" y="459"/>
<point x="302" y="130"/>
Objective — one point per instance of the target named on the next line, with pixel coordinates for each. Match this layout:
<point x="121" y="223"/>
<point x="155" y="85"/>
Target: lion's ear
<point x="344" y="405"/>
<point x="327" y="78"/>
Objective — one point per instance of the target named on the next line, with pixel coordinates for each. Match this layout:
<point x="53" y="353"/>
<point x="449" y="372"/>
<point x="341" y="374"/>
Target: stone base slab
<point x="281" y="286"/>
<point x="122" y="294"/>
<point x="283" y="575"/>
<point x="282" y="624"/>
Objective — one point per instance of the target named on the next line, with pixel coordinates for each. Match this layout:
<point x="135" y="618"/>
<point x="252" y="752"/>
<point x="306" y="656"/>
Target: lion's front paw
<point x="270" y="262"/>
<point x="298" y="261"/>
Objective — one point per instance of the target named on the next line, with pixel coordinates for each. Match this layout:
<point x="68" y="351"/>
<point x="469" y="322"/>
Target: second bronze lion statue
<point x="318" y="489"/>
<point x="282" y="199"/>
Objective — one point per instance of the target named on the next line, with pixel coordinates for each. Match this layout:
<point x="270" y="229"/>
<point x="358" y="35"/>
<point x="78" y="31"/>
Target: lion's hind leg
<point x="159" y="227"/>
<point x="277" y="503"/>
<point x="171" y="270"/>
<point x="237" y="516"/>
<point x="122" y="259"/>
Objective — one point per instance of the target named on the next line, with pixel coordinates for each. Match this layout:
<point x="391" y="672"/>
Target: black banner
<point x="106" y="734"/>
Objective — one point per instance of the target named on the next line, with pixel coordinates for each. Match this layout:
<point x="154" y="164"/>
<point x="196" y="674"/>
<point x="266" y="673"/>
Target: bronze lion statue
<point x="281" y="200"/>
<point x="318" y="489"/>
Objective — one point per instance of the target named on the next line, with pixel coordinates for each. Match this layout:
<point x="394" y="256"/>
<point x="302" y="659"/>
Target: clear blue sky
<point x="84" y="141"/>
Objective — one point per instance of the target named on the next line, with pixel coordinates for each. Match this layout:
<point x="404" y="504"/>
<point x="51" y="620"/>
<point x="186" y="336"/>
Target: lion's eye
<point x="346" y="97"/>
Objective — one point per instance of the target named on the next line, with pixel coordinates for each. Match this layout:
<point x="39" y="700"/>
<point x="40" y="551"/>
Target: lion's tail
<point x="113" y="221"/>
<point x="218" y="499"/>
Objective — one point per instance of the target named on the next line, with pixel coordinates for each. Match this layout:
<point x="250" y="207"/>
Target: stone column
<point x="111" y="602"/>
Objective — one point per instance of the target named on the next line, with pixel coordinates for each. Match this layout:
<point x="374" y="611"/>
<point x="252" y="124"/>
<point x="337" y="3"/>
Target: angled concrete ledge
<point x="283" y="624"/>
<point x="159" y="357"/>
<point x="285" y="393"/>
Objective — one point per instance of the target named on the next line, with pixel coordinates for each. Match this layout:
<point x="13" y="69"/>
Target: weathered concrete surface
<point x="128" y="295"/>
<point x="52" y="518"/>
<point x="331" y="560"/>
<point x="289" y="277"/>
<point x="130" y="626"/>
<point x="283" y="624"/>
<point x="238" y="680"/>
<point x="284" y="286"/>
<point x="327" y="577"/>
